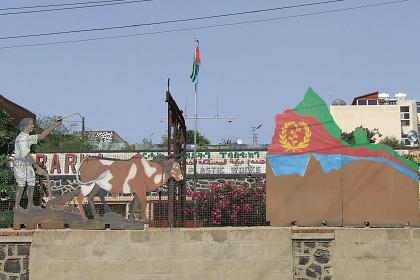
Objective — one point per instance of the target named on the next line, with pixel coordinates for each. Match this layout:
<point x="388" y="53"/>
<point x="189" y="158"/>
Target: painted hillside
<point x="314" y="177"/>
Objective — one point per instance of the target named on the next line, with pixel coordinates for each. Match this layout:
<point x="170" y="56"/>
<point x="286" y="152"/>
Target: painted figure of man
<point x="23" y="160"/>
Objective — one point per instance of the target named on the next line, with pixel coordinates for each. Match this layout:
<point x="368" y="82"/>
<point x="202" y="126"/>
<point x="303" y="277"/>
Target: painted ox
<point x="136" y="176"/>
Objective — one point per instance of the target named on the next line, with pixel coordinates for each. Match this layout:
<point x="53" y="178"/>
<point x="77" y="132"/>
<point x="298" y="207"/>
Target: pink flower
<point x="215" y="188"/>
<point x="206" y="194"/>
<point x="247" y="207"/>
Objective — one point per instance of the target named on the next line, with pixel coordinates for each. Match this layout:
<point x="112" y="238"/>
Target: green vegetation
<point x="350" y="138"/>
<point x="8" y="134"/>
<point x="63" y="138"/>
<point x="202" y="140"/>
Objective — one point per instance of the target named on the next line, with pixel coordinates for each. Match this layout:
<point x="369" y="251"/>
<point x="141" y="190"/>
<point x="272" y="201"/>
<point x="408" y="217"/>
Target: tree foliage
<point x="391" y="141"/>
<point x="63" y="138"/>
<point x="8" y="133"/>
<point x="202" y="140"/>
<point x="371" y="134"/>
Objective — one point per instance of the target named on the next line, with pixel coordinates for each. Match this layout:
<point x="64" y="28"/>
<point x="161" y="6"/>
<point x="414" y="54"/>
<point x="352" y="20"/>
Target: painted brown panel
<point x="379" y="194"/>
<point x="308" y="200"/>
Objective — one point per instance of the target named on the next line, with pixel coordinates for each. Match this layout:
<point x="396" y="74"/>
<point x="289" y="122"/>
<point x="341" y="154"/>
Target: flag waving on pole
<point x="196" y="62"/>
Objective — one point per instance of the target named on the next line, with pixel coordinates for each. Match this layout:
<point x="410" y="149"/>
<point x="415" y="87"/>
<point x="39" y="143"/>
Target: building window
<point x="405" y="122"/>
<point x="418" y="108"/>
<point x="404" y="109"/>
<point x="405" y="116"/>
<point x="404" y="140"/>
<point x="372" y="102"/>
<point x="361" y="102"/>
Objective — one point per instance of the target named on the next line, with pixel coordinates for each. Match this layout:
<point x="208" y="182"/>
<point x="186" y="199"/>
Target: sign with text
<point x="208" y="162"/>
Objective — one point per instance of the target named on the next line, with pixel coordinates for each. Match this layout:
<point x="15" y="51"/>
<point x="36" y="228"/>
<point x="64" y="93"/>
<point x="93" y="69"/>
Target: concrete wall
<point x="227" y="253"/>
<point x="376" y="254"/>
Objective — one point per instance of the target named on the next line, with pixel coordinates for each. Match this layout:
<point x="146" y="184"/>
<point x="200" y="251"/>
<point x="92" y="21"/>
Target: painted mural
<point x="208" y="162"/>
<point x="314" y="177"/>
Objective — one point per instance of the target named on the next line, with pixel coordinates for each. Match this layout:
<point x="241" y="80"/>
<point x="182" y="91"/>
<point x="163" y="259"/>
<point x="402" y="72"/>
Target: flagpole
<point x="196" y="67"/>
<point x="195" y="135"/>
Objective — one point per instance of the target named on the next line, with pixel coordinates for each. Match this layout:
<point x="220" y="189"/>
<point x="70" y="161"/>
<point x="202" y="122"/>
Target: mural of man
<point x="23" y="160"/>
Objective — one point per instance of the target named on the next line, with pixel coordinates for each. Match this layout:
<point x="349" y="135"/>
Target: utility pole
<point x="254" y="135"/>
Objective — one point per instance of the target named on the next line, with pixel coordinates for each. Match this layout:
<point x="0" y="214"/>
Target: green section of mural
<point x="313" y="105"/>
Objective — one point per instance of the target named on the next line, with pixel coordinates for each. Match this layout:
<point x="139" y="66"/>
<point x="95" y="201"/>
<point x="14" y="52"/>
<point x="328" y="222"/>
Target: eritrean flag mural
<point x="314" y="177"/>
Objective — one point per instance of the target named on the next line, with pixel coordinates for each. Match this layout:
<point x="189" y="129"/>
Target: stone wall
<point x="225" y="253"/>
<point x="14" y="254"/>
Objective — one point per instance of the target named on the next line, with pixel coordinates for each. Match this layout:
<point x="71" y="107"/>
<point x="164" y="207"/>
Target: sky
<point x="250" y="71"/>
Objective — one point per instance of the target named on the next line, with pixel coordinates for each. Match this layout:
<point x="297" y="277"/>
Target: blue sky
<point x="256" y="70"/>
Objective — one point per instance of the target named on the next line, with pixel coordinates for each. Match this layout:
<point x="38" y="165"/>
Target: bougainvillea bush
<point x="227" y="205"/>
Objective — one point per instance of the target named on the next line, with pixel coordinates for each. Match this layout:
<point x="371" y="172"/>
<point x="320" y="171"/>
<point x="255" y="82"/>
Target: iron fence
<point x="234" y="201"/>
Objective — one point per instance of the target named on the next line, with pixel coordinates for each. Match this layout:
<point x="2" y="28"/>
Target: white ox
<point x="136" y="176"/>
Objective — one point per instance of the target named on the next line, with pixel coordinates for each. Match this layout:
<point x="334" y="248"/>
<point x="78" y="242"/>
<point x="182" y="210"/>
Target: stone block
<point x="204" y="276"/>
<point x="193" y="236"/>
<point x="3" y="250"/>
<point x="116" y="237"/>
<point x="184" y="267"/>
<point x="256" y="250"/>
<point x="23" y="250"/>
<point x="105" y="252"/>
<point x="25" y="264"/>
<point x="11" y="250"/>
<point x="257" y="276"/>
<point x="197" y="266"/>
<point x="285" y="265"/>
<point x="398" y="234"/>
<point x="178" y="251"/>
<point x="140" y="236"/>
<point x="59" y="266"/>
<point x="398" y="265"/>
<point x="245" y="235"/>
<point x="162" y="266"/>
<point x="12" y="266"/>
<point x="167" y="236"/>
<point x="277" y="250"/>
<point x="137" y="266"/>
<point x="281" y="235"/>
<point x="114" y="267"/>
<point x="219" y="235"/>
<point x="37" y="266"/>
<point x="207" y="251"/>
<point x="138" y="251"/>
<point x="68" y="237"/>
<point x="24" y="276"/>
<point x="416" y="233"/>
<point x="46" y="252"/>
<point x="368" y="251"/>
<point x="74" y="253"/>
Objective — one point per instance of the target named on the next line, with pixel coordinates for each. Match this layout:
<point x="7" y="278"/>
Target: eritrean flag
<point x="196" y="62"/>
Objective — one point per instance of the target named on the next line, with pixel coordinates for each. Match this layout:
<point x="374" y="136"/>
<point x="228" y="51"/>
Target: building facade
<point x="393" y="116"/>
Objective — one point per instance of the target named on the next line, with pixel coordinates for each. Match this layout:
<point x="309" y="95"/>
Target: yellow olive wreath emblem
<point x="289" y="135"/>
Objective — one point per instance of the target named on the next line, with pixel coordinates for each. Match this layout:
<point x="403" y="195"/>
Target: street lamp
<point x="83" y="119"/>
<point x="254" y="135"/>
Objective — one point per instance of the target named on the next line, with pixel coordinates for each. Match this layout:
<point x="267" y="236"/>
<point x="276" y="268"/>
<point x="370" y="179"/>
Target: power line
<point x="171" y="21"/>
<point x="97" y="4"/>
<point x="208" y="26"/>
<point x="59" y="5"/>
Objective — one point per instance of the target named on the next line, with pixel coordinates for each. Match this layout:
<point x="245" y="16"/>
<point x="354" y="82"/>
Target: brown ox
<point x="136" y="176"/>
